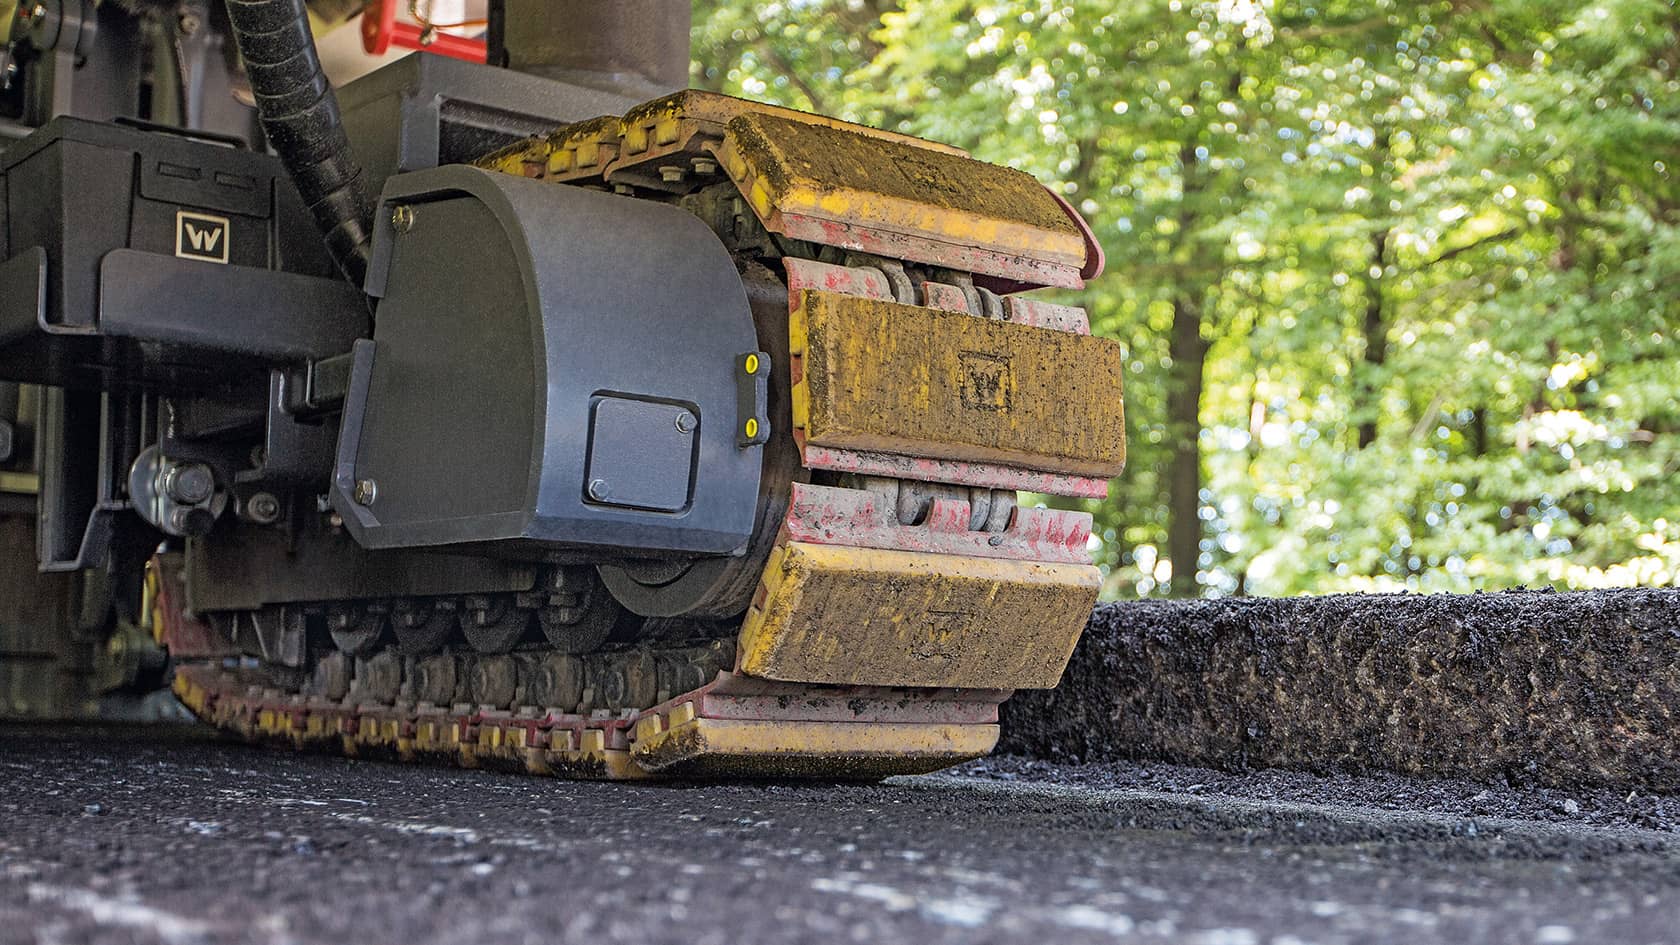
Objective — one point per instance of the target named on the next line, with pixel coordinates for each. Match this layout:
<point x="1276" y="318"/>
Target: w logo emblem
<point x="200" y="236"/>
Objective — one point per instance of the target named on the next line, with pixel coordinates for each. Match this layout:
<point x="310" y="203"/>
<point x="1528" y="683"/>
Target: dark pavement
<point x="167" y="835"/>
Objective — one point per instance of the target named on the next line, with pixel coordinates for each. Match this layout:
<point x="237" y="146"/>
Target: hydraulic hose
<point x="300" y="116"/>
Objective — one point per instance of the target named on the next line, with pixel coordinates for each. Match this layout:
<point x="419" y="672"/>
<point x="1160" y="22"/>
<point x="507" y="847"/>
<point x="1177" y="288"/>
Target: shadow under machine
<point x="538" y="412"/>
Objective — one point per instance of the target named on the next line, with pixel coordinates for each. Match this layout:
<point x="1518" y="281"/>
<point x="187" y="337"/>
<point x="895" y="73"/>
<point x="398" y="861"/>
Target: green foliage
<point x="1433" y="249"/>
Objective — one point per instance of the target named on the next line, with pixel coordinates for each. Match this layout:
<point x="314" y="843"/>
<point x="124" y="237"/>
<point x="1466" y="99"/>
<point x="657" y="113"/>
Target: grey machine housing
<point x="551" y="367"/>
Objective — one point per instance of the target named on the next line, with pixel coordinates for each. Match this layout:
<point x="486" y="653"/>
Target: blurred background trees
<point x="1398" y="282"/>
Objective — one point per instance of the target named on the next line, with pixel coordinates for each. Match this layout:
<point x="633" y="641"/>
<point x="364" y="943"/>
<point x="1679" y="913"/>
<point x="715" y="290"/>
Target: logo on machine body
<point x="988" y="382"/>
<point x="201" y="236"/>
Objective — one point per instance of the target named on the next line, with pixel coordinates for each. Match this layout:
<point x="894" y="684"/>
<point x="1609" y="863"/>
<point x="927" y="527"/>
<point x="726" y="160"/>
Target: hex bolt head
<point x="672" y="174"/>
<point x="263" y="508"/>
<point x="685" y="422"/>
<point x="189" y="483"/>
<point x="191" y="521"/>
<point x="366" y="491"/>
<point x="402" y="218"/>
<point x="598" y="490"/>
<point x="704" y="165"/>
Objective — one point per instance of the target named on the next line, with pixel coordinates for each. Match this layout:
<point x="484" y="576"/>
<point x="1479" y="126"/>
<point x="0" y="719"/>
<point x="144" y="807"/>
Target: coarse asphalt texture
<point x="167" y="834"/>
<point x="1575" y="690"/>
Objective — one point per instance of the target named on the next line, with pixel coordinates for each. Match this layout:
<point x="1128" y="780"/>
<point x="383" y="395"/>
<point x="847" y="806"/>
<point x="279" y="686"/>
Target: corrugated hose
<point x="300" y="116"/>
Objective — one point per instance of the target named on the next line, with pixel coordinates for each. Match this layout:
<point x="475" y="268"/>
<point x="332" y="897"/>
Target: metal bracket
<point x="284" y="316"/>
<point x="317" y="388"/>
<point x="356" y="514"/>
<point x="752" y="399"/>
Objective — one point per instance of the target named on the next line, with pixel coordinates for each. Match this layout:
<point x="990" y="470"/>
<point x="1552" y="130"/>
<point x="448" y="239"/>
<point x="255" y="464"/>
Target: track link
<point x="732" y="727"/>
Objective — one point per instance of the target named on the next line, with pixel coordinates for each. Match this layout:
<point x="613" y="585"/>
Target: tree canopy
<point x="1398" y="282"/>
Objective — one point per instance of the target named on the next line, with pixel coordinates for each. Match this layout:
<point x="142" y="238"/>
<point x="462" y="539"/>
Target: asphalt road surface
<point x="165" y="834"/>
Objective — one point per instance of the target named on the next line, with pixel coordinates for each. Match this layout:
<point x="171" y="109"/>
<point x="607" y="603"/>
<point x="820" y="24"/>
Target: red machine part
<point x="381" y="29"/>
<point x="825" y="515"/>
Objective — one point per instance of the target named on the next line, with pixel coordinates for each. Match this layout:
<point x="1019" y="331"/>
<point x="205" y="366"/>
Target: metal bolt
<point x="188" y="24"/>
<point x="366" y="491"/>
<point x="685" y="422"/>
<point x="263" y="508"/>
<point x="623" y="190"/>
<point x="191" y="520"/>
<point x="672" y="174"/>
<point x="598" y="490"/>
<point x="402" y="218"/>
<point x="704" y="165"/>
<point x="191" y="483"/>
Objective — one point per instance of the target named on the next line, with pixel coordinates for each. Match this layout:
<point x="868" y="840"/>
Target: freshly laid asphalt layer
<point x="1571" y="690"/>
<point x="167" y="834"/>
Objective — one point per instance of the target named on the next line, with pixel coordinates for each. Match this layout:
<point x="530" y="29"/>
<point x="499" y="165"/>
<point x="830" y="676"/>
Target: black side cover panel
<point x="550" y="365"/>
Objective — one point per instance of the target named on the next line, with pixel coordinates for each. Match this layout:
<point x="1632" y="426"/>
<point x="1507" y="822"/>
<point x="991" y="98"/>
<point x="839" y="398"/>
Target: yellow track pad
<point x="841" y="615"/>
<point x="917" y="381"/>
<point x="852" y="750"/>
<point x="834" y="186"/>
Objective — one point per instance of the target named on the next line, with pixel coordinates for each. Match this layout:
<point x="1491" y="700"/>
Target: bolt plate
<point x="641" y="454"/>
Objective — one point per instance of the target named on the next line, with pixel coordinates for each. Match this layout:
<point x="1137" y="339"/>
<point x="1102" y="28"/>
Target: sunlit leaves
<point x="1517" y="157"/>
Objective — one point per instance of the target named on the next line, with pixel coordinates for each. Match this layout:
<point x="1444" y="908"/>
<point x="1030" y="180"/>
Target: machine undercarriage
<point x="684" y="440"/>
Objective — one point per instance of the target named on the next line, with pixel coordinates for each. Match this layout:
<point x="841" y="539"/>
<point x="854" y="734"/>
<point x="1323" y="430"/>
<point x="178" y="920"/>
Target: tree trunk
<point x="1188" y="351"/>
<point x="1184" y="426"/>
<point x="1368" y="385"/>
<point x="1256" y="427"/>
<point x="1479" y="432"/>
<point x="1376" y="340"/>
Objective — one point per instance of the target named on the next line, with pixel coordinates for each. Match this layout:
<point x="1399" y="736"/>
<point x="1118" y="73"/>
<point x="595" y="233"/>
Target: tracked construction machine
<point x="496" y="418"/>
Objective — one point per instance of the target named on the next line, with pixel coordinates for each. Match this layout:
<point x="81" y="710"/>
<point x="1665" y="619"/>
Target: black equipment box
<point x="148" y="257"/>
<point x="553" y="366"/>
